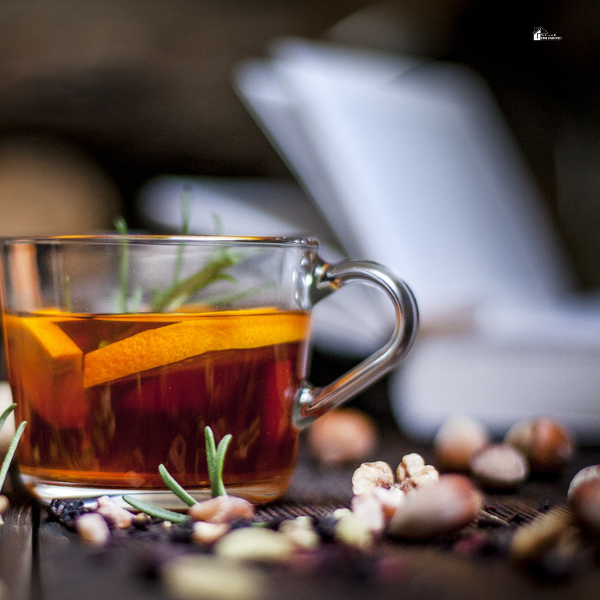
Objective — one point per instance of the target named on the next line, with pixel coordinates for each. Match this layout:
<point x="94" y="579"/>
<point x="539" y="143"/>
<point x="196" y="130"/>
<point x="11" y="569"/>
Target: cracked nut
<point x="370" y="476"/>
<point x="457" y="440"/>
<point x="341" y="436"/>
<point x="412" y="472"/>
<point x="499" y="466"/>
<point x="547" y="445"/>
<point x="444" y="506"/>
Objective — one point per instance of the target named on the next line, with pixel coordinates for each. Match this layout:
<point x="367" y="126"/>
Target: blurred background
<point x="99" y="97"/>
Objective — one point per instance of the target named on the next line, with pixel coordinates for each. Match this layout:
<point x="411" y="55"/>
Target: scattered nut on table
<point x="221" y="509"/>
<point x="457" y="440"/>
<point x="412" y="472"/>
<point x="255" y="544"/>
<point x="341" y="436"/>
<point x="547" y="445"/>
<point x="591" y="472"/>
<point x="499" y="466"/>
<point x="444" y="506"/>
<point x="92" y="528"/>
<point x="202" y="577"/>
<point x="301" y="532"/>
<point x="371" y="475"/>
<point x="585" y="504"/>
<point x="116" y="515"/>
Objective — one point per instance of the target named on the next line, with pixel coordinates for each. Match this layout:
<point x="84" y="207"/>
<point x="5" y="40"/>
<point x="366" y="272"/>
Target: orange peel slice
<point x="45" y="365"/>
<point x="191" y="337"/>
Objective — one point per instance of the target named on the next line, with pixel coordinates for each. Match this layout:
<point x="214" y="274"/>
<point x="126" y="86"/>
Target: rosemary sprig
<point x="156" y="511"/>
<point x="185" y="229"/>
<point x="13" y="444"/>
<point x="174" y="486"/>
<point x="178" y="294"/>
<point x="121" y="227"/>
<point x="215" y="457"/>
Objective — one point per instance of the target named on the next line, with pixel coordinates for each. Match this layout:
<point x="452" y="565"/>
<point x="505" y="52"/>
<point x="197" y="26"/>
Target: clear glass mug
<point x="121" y="349"/>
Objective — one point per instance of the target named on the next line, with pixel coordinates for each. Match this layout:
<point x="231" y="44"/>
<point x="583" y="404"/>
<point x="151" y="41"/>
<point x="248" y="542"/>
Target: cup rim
<point x="161" y="239"/>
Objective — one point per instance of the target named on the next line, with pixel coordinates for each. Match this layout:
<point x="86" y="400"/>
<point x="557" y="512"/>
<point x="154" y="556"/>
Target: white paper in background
<point x="353" y="322"/>
<point x="413" y="166"/>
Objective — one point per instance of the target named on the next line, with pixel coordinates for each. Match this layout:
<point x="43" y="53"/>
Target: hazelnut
<point x="371" y="475"/>
<point x="499" y="466"/>
<point x="221" y="509"/>
<point x="342" y="436"/>
<point x="585" y="504"/>
<point x="444" y="506"/>
<point x="591" y="472"/>
<point x="457" y="440"/>
<point x="4" y="504"/>
<point x="547" y="445"/>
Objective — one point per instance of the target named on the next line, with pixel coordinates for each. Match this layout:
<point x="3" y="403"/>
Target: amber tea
<point x="109" y="398"/>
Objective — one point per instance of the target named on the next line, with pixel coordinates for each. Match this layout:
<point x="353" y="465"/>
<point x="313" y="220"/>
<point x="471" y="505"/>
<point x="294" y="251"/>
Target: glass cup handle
<point x="312" y="401"/>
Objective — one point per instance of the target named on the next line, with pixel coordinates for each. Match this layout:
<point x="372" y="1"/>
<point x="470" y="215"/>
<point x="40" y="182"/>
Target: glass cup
<point x="121" y="350"/>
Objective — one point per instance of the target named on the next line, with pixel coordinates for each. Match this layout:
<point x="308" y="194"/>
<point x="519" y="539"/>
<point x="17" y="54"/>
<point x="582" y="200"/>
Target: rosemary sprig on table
<point x="13" y="444"/>
<point x="215" y="459"/>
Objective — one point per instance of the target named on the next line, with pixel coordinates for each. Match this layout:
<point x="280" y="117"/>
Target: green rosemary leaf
<point x="5" y="414"/>
<point x="174" y="486"/>
<point x="177" y="294"/>
<point x="68" y="302"/>
<point x="156" y="511"/>
<point x="11" y="452"/>
<point x="121" y="227"/>
<point x="215" y="458"/>
<point x="185" y="229"/>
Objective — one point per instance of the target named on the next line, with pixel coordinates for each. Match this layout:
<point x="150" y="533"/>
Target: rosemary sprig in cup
<point x="12" y="447"/>
<point x="215" y="459"/>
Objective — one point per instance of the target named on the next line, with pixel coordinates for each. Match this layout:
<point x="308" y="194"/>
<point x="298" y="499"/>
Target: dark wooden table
<point x="43" y="560"/>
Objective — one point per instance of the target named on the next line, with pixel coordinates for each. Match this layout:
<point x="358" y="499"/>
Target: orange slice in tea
<point x="192" y="336"/>
<point x="46" y="369"/>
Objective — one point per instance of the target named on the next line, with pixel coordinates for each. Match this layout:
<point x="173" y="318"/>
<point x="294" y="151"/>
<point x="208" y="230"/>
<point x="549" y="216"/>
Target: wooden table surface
<point x="43" y="560"/>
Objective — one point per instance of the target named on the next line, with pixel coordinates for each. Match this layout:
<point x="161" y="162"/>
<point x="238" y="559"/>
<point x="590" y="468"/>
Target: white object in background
<point x="353" y="322"/>
<point x="413" y="166"/>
